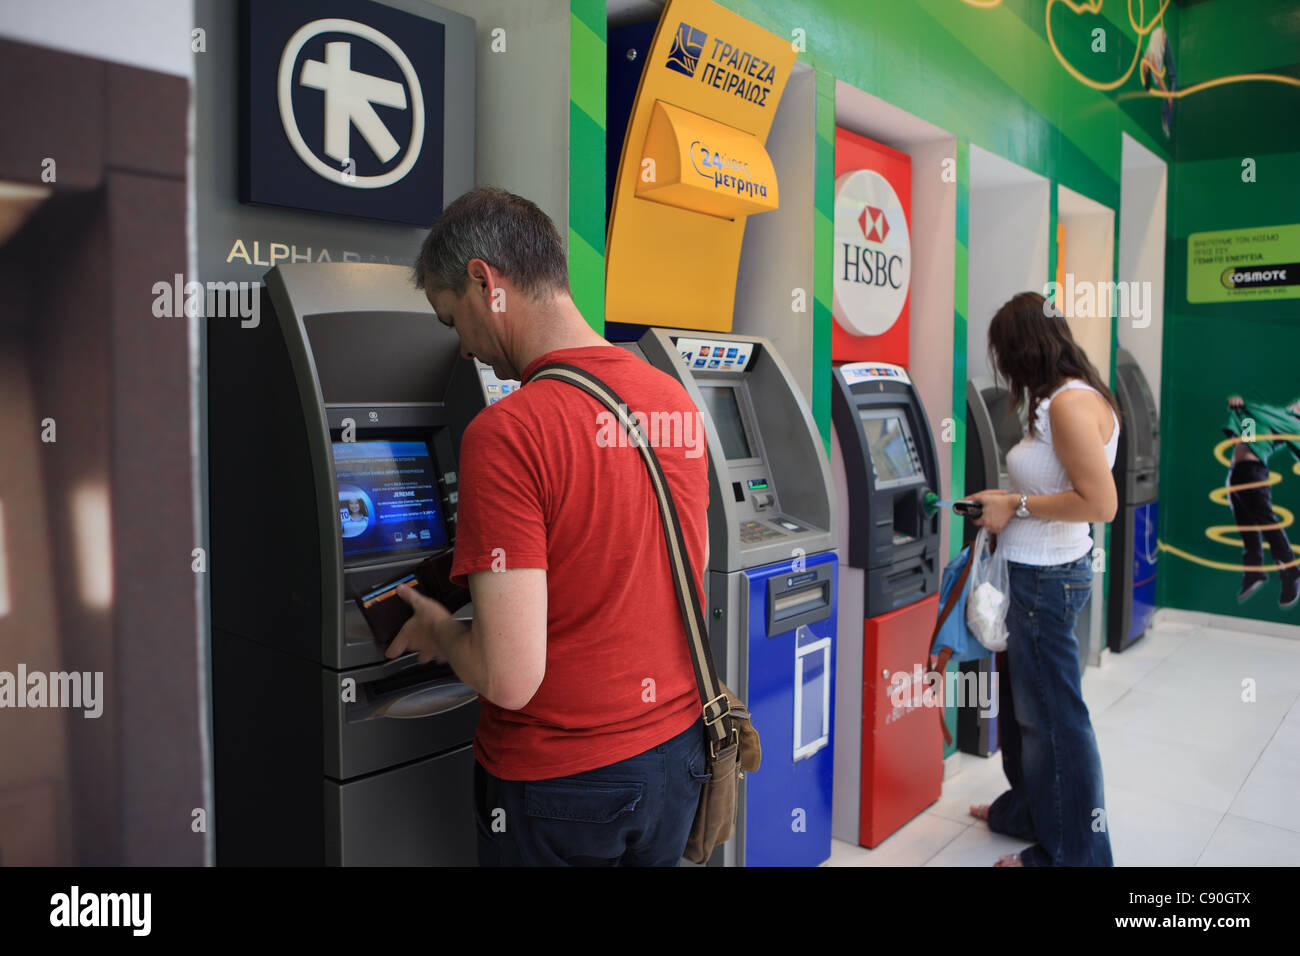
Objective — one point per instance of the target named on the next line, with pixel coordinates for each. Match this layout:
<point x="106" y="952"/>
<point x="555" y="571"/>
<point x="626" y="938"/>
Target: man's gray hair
<point x="504" y="230"/>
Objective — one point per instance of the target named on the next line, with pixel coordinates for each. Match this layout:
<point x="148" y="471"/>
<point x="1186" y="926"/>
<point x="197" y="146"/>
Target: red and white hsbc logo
<point x="873" y="257"/>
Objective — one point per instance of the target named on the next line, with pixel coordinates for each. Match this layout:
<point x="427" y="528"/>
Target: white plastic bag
<point x="988" y="594"/>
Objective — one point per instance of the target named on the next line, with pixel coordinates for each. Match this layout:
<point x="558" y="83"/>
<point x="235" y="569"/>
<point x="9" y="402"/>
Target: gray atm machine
<point x="1134" y="545"/>
<point x="992" y="429"/>
<point x="334" y="427"/>
<point x="771" y="581"/>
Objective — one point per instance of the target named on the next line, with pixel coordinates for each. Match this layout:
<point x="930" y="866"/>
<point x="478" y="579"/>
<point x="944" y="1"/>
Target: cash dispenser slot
<point x="390" y="713"/>
<point x="421" y="691"/>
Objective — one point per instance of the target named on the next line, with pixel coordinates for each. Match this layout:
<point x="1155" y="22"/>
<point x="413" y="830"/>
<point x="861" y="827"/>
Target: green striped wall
<point x="587" y="33"/>
<point x="961" y="288"/>
<point x="823" y="253"/>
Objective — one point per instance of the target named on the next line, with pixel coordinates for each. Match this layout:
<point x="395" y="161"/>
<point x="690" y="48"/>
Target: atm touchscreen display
<point x="888" y="439"/>
<point x="388" y="499"/>
<point x="724" y="409"/>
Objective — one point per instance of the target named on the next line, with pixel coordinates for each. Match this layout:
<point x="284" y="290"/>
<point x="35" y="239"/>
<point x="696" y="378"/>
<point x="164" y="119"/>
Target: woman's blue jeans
<point x="1049" y="752"/>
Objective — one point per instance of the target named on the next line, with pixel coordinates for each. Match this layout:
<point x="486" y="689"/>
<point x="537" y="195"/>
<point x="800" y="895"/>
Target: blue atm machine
<point x="1133" y="542"/>
<point x="770" y="584"/>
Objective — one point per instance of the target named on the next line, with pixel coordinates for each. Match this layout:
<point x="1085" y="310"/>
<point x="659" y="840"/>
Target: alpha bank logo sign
<point x="726" y="66"/>
<point x="340" y="116"/>
<point x="873" y="256"/>
<point x="349" y="99"/>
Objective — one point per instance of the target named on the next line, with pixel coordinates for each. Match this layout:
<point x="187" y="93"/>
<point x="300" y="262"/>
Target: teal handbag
<point x="950" y="632"/>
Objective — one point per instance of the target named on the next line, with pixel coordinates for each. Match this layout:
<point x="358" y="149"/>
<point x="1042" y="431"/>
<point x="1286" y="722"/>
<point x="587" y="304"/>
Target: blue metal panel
<point x="788" y="800"/>
<point x="1144" y="568"/>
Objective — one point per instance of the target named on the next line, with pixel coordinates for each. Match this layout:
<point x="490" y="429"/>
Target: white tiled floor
<point x="1194" y="774"/>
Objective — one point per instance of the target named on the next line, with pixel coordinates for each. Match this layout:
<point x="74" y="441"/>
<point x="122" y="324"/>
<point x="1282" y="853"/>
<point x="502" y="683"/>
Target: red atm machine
<point x="889" y="746"/>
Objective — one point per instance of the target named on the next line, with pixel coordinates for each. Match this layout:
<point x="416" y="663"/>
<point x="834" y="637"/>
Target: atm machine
<point x="770" y="584"/>
<point x="334" y="426"/>
<point x="992" y="429"/>
<point x="1133" y="534"/>
<point x="889" y="759"/>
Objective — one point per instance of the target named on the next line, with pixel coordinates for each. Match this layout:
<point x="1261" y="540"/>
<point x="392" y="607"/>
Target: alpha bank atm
<point x="771" y="582"/>
<point x="334" y="428"/>
<point x="889" y="748"/>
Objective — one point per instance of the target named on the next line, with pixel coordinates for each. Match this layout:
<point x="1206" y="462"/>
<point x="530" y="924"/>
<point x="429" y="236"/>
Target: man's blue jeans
<point x="1049" y="752"/>
<point x="637" y="812"/>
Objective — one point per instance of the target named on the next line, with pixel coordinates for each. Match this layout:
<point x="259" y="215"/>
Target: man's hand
<point x="420" y="633"/>
<point x="999" y="508"/>
<point x="1235" y="401"/>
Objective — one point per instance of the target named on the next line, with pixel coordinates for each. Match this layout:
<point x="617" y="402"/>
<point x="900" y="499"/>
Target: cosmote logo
<point x="1237" y="278"/>
<point x="687" y="48"/>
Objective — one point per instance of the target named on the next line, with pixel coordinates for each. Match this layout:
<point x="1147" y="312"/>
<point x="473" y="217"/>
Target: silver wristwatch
<point x="1021" y="510"/>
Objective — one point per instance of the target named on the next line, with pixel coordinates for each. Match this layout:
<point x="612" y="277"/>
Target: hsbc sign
<point x="873" y="256"/>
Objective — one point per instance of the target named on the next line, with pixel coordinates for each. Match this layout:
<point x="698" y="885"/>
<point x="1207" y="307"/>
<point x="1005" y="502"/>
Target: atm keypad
<point x="753" y="531"/>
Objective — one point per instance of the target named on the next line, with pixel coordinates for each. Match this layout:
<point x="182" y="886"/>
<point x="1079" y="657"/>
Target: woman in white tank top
<point x="1060" y="483"/>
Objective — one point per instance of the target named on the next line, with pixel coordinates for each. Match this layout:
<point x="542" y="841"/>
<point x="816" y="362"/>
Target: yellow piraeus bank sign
<point x="693" y="167"/>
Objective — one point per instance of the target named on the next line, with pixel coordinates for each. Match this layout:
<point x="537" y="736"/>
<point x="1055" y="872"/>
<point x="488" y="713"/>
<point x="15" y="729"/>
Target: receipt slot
<point x="889" y="746"/>
<point x="770" y="585"/>
<point x="334" y="428"/>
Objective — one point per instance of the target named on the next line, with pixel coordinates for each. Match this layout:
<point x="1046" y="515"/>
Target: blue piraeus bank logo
<point x="342" y="109"/>
<point x="726" y="67"/>
<point x="688" y="46"/>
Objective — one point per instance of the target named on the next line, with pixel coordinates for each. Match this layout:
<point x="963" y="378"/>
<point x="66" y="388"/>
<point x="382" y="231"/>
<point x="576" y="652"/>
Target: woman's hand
<point x="999" y="508"/>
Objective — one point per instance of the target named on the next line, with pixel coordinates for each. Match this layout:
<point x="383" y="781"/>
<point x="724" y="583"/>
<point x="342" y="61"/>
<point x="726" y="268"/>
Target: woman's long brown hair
<point x="1032" y="348"/>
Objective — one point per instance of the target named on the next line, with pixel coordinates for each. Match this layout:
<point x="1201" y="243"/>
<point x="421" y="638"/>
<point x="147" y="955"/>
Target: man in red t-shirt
<point x="590" y="745"/>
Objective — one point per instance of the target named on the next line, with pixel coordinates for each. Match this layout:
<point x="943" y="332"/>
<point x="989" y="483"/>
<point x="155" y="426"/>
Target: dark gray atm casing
<point x="325" y="752"/>
<point x="889" y="534"/>
<point x="992" y="429"/>
<point x="1137" y="477"/>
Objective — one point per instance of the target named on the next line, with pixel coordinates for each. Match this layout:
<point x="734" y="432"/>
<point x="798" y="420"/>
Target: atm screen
<point x="888" y="439"/>
<point x="724" y="409"/>
<point x="388" y="498"/>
